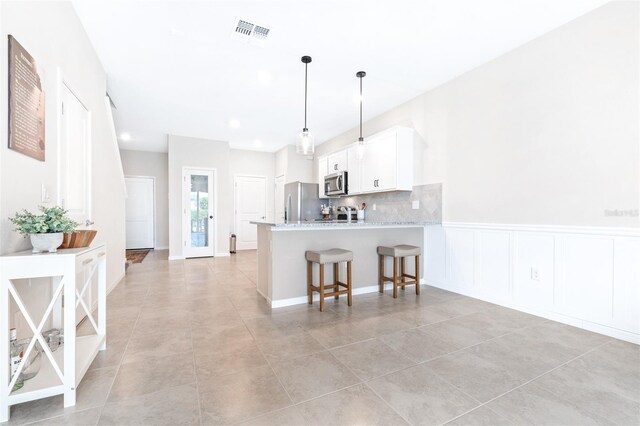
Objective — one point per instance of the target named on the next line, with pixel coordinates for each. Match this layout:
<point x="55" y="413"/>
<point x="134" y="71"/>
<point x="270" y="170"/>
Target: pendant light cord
<point x="305" y="95"/>
<point x="360" y="109"/>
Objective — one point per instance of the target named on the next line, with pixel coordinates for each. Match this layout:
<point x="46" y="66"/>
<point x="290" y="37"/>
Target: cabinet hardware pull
<point x="101" y="254"/>
<point x="86" y="262"/>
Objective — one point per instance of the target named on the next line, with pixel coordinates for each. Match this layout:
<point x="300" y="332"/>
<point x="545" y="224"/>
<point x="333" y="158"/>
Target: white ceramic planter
<point x="46" y="242"/>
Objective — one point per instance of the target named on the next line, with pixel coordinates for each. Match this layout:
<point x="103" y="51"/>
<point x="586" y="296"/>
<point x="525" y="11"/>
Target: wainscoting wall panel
<point x="583" y="276"/>
<point x="493" y="257"/>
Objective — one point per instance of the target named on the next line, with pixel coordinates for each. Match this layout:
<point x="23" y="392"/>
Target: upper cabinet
<point x="328" y="164"/>
<point x="337" y="161"/>
<point x="354" y="167"/>
<point x="386" y="164"/>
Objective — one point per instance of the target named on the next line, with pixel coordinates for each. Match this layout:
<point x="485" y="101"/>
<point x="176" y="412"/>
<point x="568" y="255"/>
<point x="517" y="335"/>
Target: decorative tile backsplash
<point x="397" y="205"/>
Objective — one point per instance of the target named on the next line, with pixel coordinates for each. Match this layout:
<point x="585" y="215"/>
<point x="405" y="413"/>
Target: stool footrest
<point x="400" y="276"/>
<point x="336" y="288"/>
<point x="390" y="280"/>
<point x="336" y="293"/>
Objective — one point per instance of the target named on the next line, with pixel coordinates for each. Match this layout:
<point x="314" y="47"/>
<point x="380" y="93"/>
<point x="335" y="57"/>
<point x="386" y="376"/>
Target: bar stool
<point x="398" y="280"/>
<point x="322" y="257"/>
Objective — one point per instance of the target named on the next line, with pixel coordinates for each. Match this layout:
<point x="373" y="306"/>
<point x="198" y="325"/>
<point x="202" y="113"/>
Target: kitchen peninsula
<point x="282" y="272"/>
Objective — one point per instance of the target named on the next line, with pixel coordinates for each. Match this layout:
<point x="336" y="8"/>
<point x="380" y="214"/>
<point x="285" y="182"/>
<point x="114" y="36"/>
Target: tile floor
<point x="191" y="343"/>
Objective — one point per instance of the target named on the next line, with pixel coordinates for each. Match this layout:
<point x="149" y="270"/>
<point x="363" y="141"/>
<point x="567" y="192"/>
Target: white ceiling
<point x="173" y="67"/>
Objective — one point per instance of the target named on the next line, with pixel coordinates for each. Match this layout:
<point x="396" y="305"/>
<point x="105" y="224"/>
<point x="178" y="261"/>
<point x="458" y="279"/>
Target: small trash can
<point x="232" y="243"/>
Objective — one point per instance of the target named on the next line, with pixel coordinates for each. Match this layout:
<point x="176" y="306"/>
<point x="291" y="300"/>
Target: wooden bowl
<point x="78" y="239"/>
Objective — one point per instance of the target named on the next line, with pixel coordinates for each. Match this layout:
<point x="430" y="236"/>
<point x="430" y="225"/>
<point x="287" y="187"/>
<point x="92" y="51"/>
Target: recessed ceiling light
<point x="257" y="143"/>
<point x="234" y="124"/>
<point x="264" y="77"/>
<point x="125" y="137"/>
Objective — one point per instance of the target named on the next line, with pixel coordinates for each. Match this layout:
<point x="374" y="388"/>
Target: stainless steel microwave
<point x="336" y="184"/>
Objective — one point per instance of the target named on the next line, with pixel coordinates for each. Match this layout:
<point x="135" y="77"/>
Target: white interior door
<point x="74" y="167"/>
<point x="74" y="174"/>
<point x="251" y="205"/>
<point x="139" y="212"/>
<point x="198" y="212"/>
<point x="279" y="199"/>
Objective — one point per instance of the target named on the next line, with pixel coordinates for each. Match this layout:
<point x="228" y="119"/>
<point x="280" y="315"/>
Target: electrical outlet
<point x="415" y="204"/>
<point x="535" y="274"/>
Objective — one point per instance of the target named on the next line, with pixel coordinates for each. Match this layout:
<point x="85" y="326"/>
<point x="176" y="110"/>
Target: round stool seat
<point x="334" y="255"/>
<point x="399" y="251"/>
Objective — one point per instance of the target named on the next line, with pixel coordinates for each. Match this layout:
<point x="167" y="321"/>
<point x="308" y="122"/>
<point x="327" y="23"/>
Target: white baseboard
<point x="316" y="297"/>
<point x="227" y="254"/>
<point x="161" y="248"/>
<point x="265" y="296"/>
<point x="115" y="283"/>
<point x="553" y="316"/>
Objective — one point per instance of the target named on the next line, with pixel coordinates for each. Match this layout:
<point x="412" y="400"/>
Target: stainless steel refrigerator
<point x="301" y="202"/>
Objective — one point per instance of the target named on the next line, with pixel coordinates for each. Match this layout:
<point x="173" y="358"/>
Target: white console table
<point x="62" y="370"/>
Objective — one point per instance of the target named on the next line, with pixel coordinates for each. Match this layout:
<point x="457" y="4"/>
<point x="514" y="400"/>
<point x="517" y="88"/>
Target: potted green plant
<point x="45" y="230"/>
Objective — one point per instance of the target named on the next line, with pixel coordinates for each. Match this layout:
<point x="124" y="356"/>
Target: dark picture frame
<point x="26" y="103"/>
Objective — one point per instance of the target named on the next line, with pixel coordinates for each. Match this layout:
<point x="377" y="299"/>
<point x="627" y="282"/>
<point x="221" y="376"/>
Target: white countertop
<point x="318" y="225"/>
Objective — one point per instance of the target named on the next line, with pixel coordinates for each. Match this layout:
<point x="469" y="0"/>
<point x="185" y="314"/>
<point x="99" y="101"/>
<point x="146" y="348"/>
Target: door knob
<point x="210" y="217"/>
<point x="88" y="222"/>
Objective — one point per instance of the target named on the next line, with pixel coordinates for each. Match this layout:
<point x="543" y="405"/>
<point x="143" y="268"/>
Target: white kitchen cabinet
<point x="323" y="168"/>
<point x="387" y="164"/>
<point x="337" y="161"/>
<point x="354" y="168"/>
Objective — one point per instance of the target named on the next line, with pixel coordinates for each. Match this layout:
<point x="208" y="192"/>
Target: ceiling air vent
<point x="249" y="32"/>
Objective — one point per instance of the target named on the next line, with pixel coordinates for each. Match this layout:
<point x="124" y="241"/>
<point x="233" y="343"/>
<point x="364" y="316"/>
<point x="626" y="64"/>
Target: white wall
<point x="546" y="134"/>
<point x="52" y="33"/>
<point x="154" y="164"/>
<point x="293" y="166"/>
<point x="255" y="163"/>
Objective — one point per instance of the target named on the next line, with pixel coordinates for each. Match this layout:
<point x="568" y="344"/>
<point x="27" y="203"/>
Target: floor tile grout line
<point x="534" y="379"/>
<point x="295" y="404"/>
<point x="195" y="372"/>
<point x="124" y="351"/>
<point x="270" y="367"/>
<point x="471" y="411"/>
<point x="392" y="372"/>
<point x="480" y="404"/>
<point x="387" y="403"/>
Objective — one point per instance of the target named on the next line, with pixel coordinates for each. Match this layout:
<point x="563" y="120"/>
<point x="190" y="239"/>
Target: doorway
<point x="74" y="153"/>
<point x="199" y="205"/>
<point x="250" y="206"/>
<point x="140" y="212"/>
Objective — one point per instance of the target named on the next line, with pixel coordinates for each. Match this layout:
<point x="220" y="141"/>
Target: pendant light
<point x="306" y="141"/>
<point x="360" y="75"/>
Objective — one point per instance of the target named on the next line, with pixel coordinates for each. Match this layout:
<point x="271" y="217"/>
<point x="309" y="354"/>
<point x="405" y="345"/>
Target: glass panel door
<point x="198" y="211"/>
